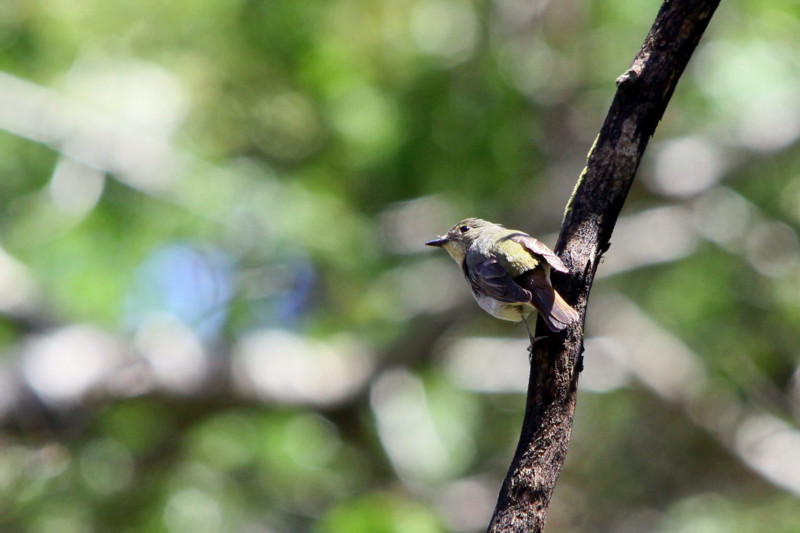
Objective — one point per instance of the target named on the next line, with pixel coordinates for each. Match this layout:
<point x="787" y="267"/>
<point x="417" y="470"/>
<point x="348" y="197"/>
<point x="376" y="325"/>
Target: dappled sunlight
<point x="685" y="167"/>
<point x="654" y="356"/>
<point x="82" y="132"/>
<point x="407" y="429"/>
<point x="650" y="237"/>
<point x="75" y="188"/>
<point x="445" y="28"/>
<point x="281" y="366"/>
<point x="772" y="122"/>
<point x="467" y="504"/>
<point x="18" y="291"/>
<point x="667" y="234"/>
<point x="773" y="248"/>
<point x="67" y="365"/>
<point x="755" y="83"/>
<point x="488" y="364"/>
<point x="421" y="287"/>
<point x="139" y="93"/>
<point x="106" y="465"/>
<point x="771" y="447"/>
<point x="661" y="362"/>
<point x="404" y="225"/>
<point x="192" y="509"/>
<point x="723" y="217"/>
<point x="606" y="367"/>
<point x="176" y="356"/>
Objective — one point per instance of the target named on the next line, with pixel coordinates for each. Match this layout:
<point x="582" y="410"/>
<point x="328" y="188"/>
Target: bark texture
<point x="643" y="92"/>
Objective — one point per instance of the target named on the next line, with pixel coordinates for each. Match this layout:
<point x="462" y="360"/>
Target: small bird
<point x="508" y="271"/>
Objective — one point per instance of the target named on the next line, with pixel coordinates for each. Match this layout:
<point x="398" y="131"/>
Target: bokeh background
<point x="217" y="314"/>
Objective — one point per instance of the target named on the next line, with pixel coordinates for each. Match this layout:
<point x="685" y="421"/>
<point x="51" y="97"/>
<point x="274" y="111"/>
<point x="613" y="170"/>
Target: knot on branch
<point x="529" y="495"/>
<point x="629" y="79"/>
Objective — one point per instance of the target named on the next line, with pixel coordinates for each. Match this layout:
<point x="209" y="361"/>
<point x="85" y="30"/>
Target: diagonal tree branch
<point x="643" y="92"/>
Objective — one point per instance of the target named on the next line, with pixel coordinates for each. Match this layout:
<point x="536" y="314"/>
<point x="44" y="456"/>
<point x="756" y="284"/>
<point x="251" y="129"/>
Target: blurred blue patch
<point x="193" y="285"/>
<point x="292" y="281"/>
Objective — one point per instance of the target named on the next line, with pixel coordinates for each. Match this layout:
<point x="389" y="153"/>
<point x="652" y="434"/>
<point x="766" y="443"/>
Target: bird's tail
<point x="553" y="309"/>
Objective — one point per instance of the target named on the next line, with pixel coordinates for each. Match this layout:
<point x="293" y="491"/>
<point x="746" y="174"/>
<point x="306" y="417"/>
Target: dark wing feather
<point x="537" y="247"/>
<point x="488" y="277"/>
<point x="553" y="309"/>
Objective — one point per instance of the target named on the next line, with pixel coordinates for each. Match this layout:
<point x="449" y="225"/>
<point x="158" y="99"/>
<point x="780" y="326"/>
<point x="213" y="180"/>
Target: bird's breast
<point x="513" y="312"/>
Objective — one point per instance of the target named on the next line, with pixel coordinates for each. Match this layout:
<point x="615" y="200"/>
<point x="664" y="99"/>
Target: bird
<point x="508" y="272"/>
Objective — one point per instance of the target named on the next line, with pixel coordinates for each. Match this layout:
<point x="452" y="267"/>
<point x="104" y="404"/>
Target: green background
<point x="217" y="313"/>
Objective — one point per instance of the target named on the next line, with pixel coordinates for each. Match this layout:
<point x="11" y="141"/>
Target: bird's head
<point x="461" y="236"/>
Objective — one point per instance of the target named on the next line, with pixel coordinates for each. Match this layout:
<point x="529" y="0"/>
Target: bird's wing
<point x="488" y="277"/>
<point x="537" y="247"/>
<point x="556" y="312"/>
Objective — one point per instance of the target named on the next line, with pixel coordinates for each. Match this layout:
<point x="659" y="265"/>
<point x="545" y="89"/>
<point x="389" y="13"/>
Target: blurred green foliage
<point x="218" y="315"/>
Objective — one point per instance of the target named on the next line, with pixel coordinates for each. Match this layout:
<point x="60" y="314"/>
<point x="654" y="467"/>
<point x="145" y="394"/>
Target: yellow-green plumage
<point x="515" y="258"/>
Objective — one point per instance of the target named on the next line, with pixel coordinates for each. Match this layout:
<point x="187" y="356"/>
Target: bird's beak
<point x="438" y="242"/>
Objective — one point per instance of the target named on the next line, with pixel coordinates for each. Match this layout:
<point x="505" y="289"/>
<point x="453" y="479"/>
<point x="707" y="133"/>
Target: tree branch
<point x="643" y="92"/>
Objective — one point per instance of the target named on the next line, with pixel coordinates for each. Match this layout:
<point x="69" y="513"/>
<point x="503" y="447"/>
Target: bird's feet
<point x="534" y="340"/>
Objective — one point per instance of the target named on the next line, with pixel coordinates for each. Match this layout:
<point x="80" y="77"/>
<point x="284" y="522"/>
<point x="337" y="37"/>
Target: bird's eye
<point x="464" y="229"/>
